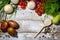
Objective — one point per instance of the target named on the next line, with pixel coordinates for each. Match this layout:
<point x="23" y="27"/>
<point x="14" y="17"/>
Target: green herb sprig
<point x="52" y="7"/>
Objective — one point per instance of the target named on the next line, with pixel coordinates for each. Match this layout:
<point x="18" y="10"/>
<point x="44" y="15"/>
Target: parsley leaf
<point x="51" y="7"/>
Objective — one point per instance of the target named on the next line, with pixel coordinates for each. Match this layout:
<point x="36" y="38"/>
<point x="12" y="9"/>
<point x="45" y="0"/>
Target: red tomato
<point x="38" y="6"/>
<point x="36" y="10"/>
<point x="40" y="3"/>
<point x="42" y="8"/>
<point x="39" y="14"/>
<point x="23" y="7"/>
<point x="21" y="3"/>
<point x="25" y="3"/>
<point x="42" y="11"/>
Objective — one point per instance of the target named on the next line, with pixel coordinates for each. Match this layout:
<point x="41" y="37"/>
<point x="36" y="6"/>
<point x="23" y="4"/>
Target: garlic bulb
<point x="31" y="5"/>
<point x="8" y="8"/>
<point x="15" y="1"/>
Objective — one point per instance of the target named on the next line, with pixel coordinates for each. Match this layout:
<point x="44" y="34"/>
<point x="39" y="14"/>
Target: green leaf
<point x="3" y="3"/>
<point x="51" y="7"/>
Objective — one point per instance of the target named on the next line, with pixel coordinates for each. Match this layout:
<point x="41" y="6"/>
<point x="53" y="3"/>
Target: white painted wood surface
<point x="30" y="23"/>
<point x="28" y="20"/>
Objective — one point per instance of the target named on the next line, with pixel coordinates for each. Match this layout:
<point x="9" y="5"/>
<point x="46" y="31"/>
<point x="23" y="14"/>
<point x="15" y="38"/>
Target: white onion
<point x="15" y="1"/>
<point x="31" y="5"/>
<point x="8" y="8"/>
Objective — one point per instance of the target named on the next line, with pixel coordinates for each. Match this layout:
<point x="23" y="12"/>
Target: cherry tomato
<point x="36" y="10"/>
<point x="25" y="3"/>
<point x="38" y="6"/>
<point x="42" y="11"/>
<point x="21" y="3"/>
<point x="42" y="8"/>
<point x="23" y="7"/>
<point x="40" y="3"/>
<point x="39" y="13"/>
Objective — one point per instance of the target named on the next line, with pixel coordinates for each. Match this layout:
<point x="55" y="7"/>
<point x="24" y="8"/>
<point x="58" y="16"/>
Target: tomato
<point x="42" y="11"/>
<point x="21" y="3"/>
<point x="36" y="10"/>
<point x="42" y="8"/>
<point x="38" y="6"/>
<point x="23" y="7"/>
<point x="25" y="3"/>
<point x="39" y="13"/>
<point x="40" y="3"/>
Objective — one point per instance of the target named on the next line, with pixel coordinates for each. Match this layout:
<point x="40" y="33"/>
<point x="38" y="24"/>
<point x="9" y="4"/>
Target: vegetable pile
<point x="50" y="7"/>
<point x="6" y="7"/>
<point x="41" y="6"/>
<point x="53" y="8"/>
<point x="37" y="5"/>
<point x="3" y="3"/>
<point x="9" y="26"/>
<point x="40" y="9"/>
<point x="23" y="4"/>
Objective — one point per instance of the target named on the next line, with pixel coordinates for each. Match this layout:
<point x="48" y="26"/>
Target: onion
<point x="13" y="24"/>
<point x="31" y="5"/>
<point x="4" y="26"/>
<point x="12" y="31"/>
<point x="15" y="1"/>
<point x="8" y="8"/>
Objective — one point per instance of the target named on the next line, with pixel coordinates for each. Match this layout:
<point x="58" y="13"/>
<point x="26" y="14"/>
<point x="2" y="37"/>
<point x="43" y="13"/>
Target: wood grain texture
<point x="28" y="20"/>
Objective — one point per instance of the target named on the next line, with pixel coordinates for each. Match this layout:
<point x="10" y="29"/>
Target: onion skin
<point x="11" y="31"/>
<point x="4" y="26"/>
<point x="13" y="24"/>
